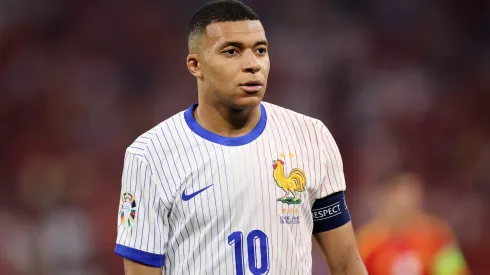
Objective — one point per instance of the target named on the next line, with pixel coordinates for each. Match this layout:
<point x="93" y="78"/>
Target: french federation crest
<point x="128" y="209"/>
<point x="293" y="184"/>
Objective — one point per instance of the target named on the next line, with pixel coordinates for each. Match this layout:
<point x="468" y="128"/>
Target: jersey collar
<point x="227" y="141"/>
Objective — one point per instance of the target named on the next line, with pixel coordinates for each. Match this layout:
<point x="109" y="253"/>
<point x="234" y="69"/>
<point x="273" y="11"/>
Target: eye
<point x="261" y="51"/>
<point x="231" y="52"/>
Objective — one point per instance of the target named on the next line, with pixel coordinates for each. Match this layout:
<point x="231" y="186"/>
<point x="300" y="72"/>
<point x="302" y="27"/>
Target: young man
<point x="233" y="185"/>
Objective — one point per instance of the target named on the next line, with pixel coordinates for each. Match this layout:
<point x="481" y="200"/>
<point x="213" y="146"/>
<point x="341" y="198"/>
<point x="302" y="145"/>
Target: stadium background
<point x="397" y="82"/>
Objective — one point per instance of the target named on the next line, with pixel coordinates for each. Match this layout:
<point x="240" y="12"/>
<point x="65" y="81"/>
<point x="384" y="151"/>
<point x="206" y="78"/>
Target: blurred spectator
<point x="403" y="239"/>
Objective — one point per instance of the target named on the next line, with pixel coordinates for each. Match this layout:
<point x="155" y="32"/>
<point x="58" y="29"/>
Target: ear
<point x="194" y="65"/>
<point x="282" y="162"/>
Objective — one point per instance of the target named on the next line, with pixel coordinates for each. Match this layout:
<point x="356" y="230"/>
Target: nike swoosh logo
<point x="186" y="197"/>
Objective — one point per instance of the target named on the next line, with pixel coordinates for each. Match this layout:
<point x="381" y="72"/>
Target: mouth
<point x="252" y="86"/>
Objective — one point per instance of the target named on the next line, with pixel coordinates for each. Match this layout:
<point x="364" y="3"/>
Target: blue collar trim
<point x="227" y="141"/>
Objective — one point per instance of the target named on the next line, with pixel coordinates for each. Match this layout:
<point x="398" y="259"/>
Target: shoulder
<point x="435" y="224"/>
<point x="283" y="115"/>
<point x="371" y="230"/>
<point x="370" y="236"/>
<point x="151" y="143"/>
<point x="309" y="126"/>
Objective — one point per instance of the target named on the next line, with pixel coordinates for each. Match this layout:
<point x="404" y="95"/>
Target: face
<point x="233" y="64"/>
<point x="406" y="195"/>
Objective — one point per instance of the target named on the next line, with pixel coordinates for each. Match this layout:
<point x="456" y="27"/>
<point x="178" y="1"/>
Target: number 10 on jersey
<point x="254" y="237"/>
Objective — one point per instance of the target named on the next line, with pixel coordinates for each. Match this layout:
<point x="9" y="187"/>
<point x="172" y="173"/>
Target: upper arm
<point x="329" y="209"/>
<point x="142" y="229"/>
<point x="332" y="227"/>
<point x="134" y="268"/>
<point x="332" y="179"/>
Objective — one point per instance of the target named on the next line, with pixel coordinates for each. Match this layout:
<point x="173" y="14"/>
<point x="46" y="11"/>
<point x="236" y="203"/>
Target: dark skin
<point x="222" y="59"/>
<point x="226" y="56"/>
<point x="340" y="250"/>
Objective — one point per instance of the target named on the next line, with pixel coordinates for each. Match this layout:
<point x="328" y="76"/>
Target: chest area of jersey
<point x="273" y="185"/>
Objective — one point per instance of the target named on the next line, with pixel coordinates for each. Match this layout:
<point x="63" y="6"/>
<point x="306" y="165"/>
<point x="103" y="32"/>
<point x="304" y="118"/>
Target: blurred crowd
<point x="400" y="84"/>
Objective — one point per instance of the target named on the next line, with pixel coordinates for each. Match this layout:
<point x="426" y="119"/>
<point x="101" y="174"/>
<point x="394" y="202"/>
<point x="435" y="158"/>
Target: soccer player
<point x="233" y="185"/>
<point x="404" y="239"/>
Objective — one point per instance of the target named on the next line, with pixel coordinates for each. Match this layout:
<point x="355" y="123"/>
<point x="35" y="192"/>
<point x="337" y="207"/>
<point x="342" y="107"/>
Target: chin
<point x="248" y="102"/>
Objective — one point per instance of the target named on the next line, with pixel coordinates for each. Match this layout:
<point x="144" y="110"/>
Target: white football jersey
<point x="194" y="202"/>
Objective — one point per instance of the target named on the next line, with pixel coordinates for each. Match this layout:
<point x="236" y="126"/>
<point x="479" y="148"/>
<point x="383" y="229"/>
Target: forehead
<point x="243" y="31"/>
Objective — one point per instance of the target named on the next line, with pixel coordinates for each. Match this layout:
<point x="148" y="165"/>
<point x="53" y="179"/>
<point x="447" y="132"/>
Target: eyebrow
<point x="241" y="45"/>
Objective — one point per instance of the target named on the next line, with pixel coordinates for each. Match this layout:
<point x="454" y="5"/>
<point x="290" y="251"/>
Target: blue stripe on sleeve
<point x="146" y="258"/>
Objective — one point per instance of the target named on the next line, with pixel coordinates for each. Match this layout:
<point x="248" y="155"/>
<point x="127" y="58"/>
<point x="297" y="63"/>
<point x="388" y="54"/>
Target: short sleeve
<point x="333" y="179"/>
<point x="142" y="227"/>
<point x="329" y="211"/>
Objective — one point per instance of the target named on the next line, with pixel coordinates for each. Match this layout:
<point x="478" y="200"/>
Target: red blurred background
<point x="398" y="83"/>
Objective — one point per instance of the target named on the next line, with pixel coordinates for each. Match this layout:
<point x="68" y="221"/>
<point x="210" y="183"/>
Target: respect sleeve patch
<point x="330" y="212"/>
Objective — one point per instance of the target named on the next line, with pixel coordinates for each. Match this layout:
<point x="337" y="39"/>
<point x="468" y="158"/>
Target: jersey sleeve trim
<point x="146" y="258"/>
<point x="330" y="212"/>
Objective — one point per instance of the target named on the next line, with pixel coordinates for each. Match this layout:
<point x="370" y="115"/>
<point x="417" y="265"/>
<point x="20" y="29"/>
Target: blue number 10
<point x="236" y="238"/>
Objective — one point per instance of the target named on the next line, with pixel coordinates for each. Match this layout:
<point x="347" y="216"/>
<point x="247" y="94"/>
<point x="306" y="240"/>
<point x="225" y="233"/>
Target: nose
<point x="252" y="68"/>
<point x="251" y="64"/>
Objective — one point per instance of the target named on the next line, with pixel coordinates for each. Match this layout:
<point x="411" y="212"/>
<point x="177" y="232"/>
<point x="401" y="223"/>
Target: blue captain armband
<point x="330" y="212"/>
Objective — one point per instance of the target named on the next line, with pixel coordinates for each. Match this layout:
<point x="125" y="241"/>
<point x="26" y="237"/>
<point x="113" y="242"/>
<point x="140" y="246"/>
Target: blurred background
<point x="399" y="83"/>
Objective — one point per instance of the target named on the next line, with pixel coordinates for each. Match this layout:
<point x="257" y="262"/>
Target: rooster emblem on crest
<point x="295" y="182"/>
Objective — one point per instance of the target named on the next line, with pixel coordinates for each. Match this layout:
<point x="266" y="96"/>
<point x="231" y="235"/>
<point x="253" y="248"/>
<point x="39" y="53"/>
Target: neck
<point x="400" y="221"/>
<point x="225" y="121"/>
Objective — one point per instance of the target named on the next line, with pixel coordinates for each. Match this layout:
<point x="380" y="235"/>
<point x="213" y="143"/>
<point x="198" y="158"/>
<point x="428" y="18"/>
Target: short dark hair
<point x="219" y="11"/>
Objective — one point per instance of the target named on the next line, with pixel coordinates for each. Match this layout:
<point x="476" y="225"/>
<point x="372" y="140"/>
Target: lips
<point x="252" y="86"/>
<point x="252" y="83"/>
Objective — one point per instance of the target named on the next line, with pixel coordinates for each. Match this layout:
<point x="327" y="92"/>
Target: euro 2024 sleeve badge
<point x="128" y="209"/>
